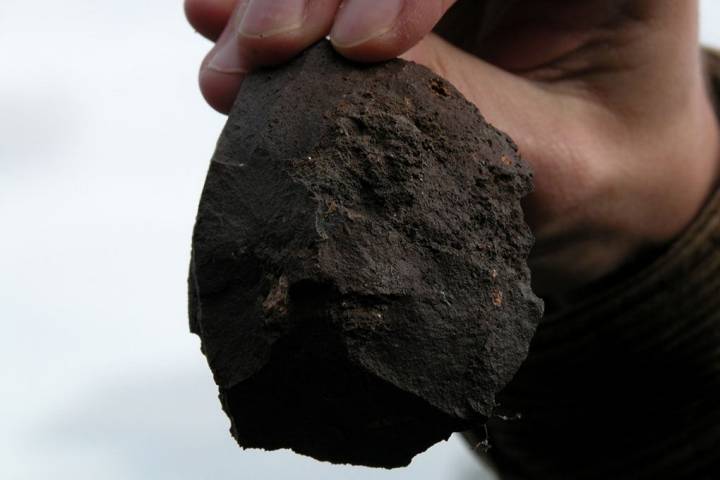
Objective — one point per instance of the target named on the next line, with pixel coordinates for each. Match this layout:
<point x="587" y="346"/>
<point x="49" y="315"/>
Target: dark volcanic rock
<point x="359" y="277"/>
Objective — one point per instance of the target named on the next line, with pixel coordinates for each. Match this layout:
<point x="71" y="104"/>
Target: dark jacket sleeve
<point x="624" y="383"/>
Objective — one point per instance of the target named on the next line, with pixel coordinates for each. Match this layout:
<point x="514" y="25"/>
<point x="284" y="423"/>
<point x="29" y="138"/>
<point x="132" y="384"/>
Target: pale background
<point x="104" y="144"/>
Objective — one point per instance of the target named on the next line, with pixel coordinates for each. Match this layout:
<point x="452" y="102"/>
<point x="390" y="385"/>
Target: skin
<point x="606" y="100"/>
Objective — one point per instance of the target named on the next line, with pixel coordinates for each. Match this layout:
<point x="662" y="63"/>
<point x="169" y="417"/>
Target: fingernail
<point x="359" y="21"/>
<point x="266" y="18"/>
<point x="227" y="58"/>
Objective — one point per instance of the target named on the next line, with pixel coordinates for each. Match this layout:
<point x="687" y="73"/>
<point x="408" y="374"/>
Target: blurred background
<point x="104" y="145"/>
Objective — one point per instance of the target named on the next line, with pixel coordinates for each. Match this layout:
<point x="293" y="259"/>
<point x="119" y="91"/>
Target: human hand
<point x="605" y="98"/>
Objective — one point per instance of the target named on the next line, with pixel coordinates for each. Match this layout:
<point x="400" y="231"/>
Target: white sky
<point x="104" y="144"/>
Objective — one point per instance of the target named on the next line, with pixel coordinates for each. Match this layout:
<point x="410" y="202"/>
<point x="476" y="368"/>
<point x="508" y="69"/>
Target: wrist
<point x="658" y="175"/>
<point x="679" y="173"/>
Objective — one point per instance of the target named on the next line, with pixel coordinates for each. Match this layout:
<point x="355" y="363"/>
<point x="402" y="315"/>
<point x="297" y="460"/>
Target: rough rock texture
<point x="359" y="277"/>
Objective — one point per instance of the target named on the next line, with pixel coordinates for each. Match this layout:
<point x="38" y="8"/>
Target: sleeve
<point x="625" y="383"/>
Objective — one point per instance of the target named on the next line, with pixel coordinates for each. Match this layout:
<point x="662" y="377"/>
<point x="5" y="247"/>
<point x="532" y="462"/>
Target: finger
<point x="209" y="17"/>
<point x="376" y="30"/>
<point x="259" y="33"/>
<point x="220" y="83"/>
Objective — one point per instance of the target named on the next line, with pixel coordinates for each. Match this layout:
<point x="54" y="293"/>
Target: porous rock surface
<point x="358" y="275"/>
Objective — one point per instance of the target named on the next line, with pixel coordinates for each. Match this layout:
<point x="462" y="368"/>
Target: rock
<point x="358" y="275"/>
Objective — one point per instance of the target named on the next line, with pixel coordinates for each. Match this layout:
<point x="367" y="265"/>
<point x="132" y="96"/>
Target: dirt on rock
<point x="358" y="275"/>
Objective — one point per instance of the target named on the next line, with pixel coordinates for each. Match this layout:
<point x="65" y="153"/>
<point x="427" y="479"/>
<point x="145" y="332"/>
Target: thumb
<point x="551" y="126"/>
<point x="376" y="30"/>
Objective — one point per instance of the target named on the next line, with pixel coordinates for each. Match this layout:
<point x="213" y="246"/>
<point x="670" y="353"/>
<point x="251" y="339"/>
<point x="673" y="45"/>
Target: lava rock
<point x="358" y="274"/>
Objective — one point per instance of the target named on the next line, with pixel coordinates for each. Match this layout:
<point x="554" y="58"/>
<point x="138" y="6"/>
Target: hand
<point x="605" y="98"/>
